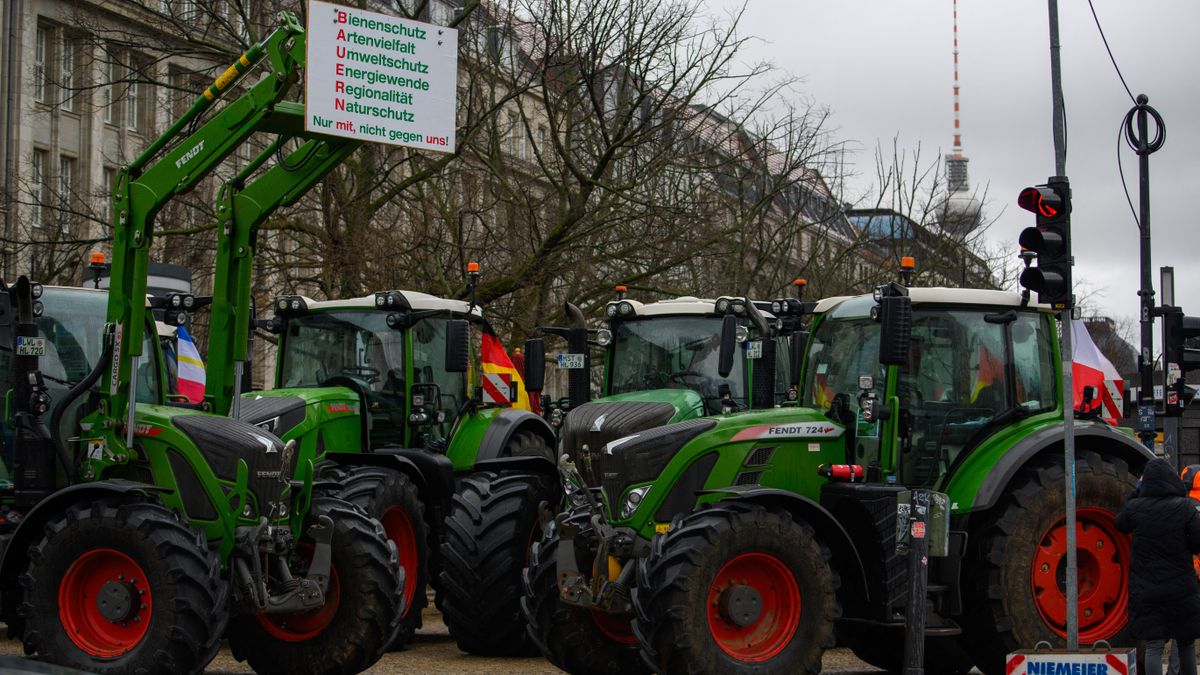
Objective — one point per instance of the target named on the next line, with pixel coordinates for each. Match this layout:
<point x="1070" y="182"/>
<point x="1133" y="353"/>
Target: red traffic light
<point x="1040" y="200"/>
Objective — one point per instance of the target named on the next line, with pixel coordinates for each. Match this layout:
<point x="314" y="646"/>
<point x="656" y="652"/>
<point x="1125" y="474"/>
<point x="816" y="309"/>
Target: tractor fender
<point x="1049" y="440"/>
<point x="846" y="559"/>
<point x="505" y="425"/>
<point x="528" y="464"/>
<point x="16" y="546"/>
<point x="432" y="473"/>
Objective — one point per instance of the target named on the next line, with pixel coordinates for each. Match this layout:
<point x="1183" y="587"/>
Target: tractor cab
<point x="400" y="356"/>
<point x="668" y="361"/>
<point x="977" y="361"/>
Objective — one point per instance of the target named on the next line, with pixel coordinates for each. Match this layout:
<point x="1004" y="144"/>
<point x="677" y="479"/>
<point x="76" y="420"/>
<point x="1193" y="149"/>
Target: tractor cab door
<point x="841" y="353"/>
<point x="443" y="392"/>
<point x="968" y="371"/>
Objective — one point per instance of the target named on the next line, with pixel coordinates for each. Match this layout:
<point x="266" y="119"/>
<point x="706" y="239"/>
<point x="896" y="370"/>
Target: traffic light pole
<point x="1068" y="393"/>
<point x="1145" y="146"/>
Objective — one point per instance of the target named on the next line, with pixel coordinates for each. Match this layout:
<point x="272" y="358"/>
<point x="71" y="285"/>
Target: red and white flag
<point x="1092" y="368"/>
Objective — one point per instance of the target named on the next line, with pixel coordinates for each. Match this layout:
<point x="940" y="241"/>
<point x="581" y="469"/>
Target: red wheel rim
<point x="1103" y="556"/>
<point x="399" y="529"/>
<point x="302" y="626"/>
<point x="86" y="595"/>
<point x="614" y="626"/>
<point x="779" y="619"/>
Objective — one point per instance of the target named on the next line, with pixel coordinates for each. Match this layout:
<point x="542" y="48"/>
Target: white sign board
<point x="1117" y="662"/>
<point x="379" y="78"/>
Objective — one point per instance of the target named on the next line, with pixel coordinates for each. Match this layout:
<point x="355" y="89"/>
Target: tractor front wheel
<point x="1017" y="568"/>
<point x="493" y="522"/>
<point x="392" y="498"/>
<point x="118" y="587"/>
<point x="362" y="609"/>
<point x="737" y="587"/>
<point x="577" y="640"/>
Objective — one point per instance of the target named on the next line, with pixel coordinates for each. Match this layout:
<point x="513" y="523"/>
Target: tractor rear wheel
<point x="392" y="498"/>
<point x="118" y="587"/>
<point x="1017" y="566"/>
<point x="737" y="587"/>
<point x="577" y="640"/>
<point x="362" y="609"/>
<point x="493" y="522"/>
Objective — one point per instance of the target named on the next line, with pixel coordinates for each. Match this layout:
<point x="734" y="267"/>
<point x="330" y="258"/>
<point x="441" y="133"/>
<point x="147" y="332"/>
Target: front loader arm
<point x="146" y="185"/>
<point x="240" y="213"/>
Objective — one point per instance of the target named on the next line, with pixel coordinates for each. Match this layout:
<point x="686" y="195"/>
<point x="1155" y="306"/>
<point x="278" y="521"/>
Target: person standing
<point x="1164" y="593"/>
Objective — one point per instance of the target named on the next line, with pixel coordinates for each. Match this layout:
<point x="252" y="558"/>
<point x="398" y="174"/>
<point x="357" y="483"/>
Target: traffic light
<point x="1178" y="358"/>
<point x="1050" y="239"/>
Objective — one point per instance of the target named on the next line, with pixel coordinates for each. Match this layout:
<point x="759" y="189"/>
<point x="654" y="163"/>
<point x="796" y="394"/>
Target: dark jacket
<point x="1164" y="595"/>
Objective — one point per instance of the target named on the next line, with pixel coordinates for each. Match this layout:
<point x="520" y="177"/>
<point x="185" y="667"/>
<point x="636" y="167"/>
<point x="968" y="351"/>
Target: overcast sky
<point x="884" y="69"/>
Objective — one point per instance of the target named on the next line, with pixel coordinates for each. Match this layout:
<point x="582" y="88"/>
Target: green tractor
<point x="671" y="361"/>
<point x="758" y="539"/>
<point x="138" y="532"/>
<point x="384" y="389"/>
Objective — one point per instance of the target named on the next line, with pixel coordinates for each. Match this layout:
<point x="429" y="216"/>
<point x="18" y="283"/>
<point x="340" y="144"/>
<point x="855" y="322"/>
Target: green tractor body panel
<point x="687" y="403"/>
<point x="320" y="420"/>
<point x="779" y="448"/>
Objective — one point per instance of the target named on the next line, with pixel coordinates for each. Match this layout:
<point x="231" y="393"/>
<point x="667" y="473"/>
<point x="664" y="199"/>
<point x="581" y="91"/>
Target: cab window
<point x="841" y="352"/>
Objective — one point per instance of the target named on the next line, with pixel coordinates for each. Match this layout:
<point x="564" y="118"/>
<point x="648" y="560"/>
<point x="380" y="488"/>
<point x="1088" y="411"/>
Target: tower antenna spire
<point x="957" y="127"/>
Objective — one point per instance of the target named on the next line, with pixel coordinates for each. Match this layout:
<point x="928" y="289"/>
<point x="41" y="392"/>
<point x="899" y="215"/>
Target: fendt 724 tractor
<point x="159" y="522"/>
<point x="668" y="361"/>
<point x="455" y="481"/>
<point x="737" y="542"/>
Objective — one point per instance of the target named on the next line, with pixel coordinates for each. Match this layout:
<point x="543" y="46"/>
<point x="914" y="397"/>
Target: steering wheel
<point x="365" y="373"/>
<point x="682" y="376"/>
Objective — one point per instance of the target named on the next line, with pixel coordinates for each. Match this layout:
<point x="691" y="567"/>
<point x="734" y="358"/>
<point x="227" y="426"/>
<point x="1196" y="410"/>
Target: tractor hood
<point x="588" y="428"/>
<point x="294" y="413"/>
<point x="745" y="448"/>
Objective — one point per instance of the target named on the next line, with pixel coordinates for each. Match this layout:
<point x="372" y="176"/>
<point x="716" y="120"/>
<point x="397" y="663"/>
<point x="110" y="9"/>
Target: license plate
<point x="570" y="361"/>
<point x="31" y="346"/>
<point x="754" y="349"/>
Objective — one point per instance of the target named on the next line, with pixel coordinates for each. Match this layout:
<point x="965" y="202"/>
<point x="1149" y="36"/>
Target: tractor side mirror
<point x="458" y="345"/>
<point x="799" y="340"/>
<point x="728" y="345"/>
<point x="535" y="364"/>
<point x="895" y="330"/>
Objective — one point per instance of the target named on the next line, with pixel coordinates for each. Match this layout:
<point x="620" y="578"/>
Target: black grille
<point x="761" y="456"/>
<point x="195" y="502"/>
<point x="748" y="478"/>
<point x="620" y="419"/>
<point x="275" y="414"/>
<point x="223" y="441"/>
<point x="643" y="458"/>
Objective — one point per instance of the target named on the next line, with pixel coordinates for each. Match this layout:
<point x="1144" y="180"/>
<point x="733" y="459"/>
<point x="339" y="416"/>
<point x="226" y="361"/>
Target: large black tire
<point x="529" y="444"/>
<point x="391" y="498"/>
<point x="493" y="522"/>
<point x="572" y="638"/>
<point x="1003" y="612"/>
<point x="94" y="563"/>
<point x="699" y="574"/>
<point x="361" y="614"/>
<point x="884" y="648"/>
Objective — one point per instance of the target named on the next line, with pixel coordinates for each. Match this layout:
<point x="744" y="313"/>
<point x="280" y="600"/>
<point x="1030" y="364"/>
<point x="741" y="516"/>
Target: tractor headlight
<point x="742" y="333"/>
<point x="379" y="300"/>
<point x="574" y="493"/>
<point x="176" y="301"/>
<point x="722" y="305"/>
<point x="611" y="310"/>
<point x="281" y="304"/>
<point x="633" y="499"/>
<point x="777" y="307"/>
<point x="625" y="309"/>
<point x="35" y="289"/>
<point x="877" y="294"/>
<point x="738" y="307"/>
<point x="295" y="304"/>
<point x="189" y="301"/>
<point x="604" y="337"/>
<point x="38" y="308"/>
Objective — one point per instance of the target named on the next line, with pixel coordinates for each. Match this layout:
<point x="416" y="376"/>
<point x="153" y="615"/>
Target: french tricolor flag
<point x="1092" y="368"/>
<point x="191" y="368"/>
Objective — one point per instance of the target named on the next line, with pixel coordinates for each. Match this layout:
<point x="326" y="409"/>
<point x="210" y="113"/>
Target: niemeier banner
<point x="379" y="78"/>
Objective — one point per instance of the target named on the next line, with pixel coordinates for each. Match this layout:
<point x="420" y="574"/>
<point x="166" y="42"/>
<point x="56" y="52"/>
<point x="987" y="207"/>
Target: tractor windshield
<point x="72" y="322"/>
<point x="672" y="352"/>
<point x="353" y="348"/>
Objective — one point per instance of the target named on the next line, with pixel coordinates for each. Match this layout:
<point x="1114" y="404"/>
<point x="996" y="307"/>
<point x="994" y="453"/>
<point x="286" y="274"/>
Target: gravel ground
<point x="434" y="651"/>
